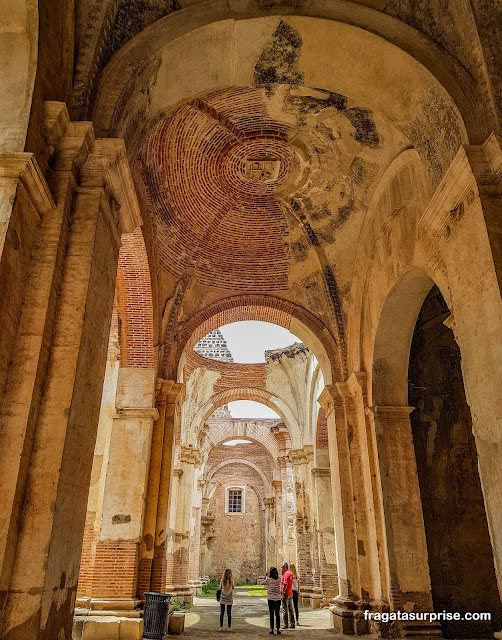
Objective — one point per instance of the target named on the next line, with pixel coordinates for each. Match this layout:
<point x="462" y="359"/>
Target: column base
<point x="196" y="586"/>
<point x="347" y="618"/>
<point x="181" y="592"/>
<point x="119" y="607"/>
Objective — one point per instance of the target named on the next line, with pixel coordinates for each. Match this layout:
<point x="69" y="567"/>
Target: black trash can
<point x="155" y="615"/>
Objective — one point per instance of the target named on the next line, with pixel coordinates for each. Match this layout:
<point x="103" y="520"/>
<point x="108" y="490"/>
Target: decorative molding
<point x="137" y="412"/>
<point x="24" y="168"/>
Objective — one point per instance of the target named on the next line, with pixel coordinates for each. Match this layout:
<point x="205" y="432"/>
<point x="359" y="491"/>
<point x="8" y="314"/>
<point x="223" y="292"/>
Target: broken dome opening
<point x="245" y="342"/>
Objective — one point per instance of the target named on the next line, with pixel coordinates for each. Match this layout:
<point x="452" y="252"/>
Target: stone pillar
<point x="63" y="325"/>
<point x="463" y="219"/>
<point x="206" y="524"/>
<point x="152" y="563"/>
<point x="347" y="557"/>
<point x="326" y="534"/>
<point x="178" y="579"/>
<point x="406" y="545"/>
<point x="279" y="520"/>
<point x="194" y="577"/>
<point x="124" y="493"/>
<point x="300" y="459"/>
<point x="270" y="533"/>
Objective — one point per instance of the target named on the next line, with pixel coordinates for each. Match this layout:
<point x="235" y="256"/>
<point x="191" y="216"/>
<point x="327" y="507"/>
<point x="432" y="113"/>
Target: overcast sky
<point x="249" y="340"/>
<point x="249" y="409"/>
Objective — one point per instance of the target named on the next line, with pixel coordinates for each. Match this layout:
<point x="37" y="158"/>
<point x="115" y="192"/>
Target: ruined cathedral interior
<point x="172" y="167"/>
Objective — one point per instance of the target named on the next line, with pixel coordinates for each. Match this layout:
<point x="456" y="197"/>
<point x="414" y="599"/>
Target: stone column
<point x="63" y="329"/>
<point x="152" y="563"/>
<point x="124" y="493"/>
<point x="194" y="577"/>
<point x="347" y="558"/>
<point x="409" y="579"/>
<point x="304" y="522"/>
<point x="279" y="519"/>
<point x="463" y="219"/>
<point x="178" y="581"/>
<point x="270" y="532"/>
<point x="326" y="534"/>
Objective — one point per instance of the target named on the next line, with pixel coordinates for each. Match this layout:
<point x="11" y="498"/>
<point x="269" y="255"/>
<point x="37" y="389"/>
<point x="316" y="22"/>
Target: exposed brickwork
<point x="134" y="302"/>
<point x="231" y="374"/>
<point x="115" y="569"/>
<point x="215" y="214"/>
<point x="85" y="576"/>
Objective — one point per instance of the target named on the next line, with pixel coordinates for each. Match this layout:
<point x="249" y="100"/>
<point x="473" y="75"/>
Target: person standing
<point x="272" y="583"/>
<point x="287" y="597"/>
<point x="226" y="597"/>
<point x="296" y="591"/>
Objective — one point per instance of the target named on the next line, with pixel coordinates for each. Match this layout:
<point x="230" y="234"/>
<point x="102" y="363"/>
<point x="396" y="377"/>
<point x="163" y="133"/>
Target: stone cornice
<point x="190" y="455"/>
<point x="24" y="168"/>
<point x="391" y="413"/>
<point x="475" y="169"/>
<point x="136" y="412"/>
<point x="321" y="472"/>
<point x="168" y="391"/>
<point x="107" y="164"/>
<point x="301" y="456"/>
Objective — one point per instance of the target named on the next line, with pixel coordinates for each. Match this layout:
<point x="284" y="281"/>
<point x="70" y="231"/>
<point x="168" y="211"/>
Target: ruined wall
<point x="453" y="506"/>
<point x="239" y="539"/>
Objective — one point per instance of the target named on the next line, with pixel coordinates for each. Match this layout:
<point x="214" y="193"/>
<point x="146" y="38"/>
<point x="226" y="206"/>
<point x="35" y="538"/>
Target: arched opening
<point x="452" y="500"/>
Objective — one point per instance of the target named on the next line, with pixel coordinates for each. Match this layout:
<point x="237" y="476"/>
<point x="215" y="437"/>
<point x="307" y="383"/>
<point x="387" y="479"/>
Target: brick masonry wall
<point x="238" y="541"/>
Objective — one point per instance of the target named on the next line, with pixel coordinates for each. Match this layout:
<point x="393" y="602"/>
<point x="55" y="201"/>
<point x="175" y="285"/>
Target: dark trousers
<point x="274" y="608"/>
<point x="295" y="604"/>
<point x="229" y="614"/>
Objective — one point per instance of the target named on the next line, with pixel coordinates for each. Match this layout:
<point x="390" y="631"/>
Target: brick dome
<point x="211" y="170"/>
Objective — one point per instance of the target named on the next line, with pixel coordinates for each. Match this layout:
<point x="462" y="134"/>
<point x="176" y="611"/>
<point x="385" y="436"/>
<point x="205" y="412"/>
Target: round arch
<point x="239" y="461"/>
<point x="278" y="311"/>
<point x="256" y="395"/>
<point x="391" y="352"/>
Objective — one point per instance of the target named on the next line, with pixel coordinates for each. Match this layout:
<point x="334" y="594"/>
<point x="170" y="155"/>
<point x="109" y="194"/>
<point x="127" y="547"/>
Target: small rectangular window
<point x="235" y="501"/>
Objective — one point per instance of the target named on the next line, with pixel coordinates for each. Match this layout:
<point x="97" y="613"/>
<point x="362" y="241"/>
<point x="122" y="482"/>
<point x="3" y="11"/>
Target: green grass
<point x="180" y="606"/>
<point x="209" y="590"/>
<point x="254" y="589"/>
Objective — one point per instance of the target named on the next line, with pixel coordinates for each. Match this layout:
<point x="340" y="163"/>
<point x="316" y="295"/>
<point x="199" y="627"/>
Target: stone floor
<point x="250" y="619"/>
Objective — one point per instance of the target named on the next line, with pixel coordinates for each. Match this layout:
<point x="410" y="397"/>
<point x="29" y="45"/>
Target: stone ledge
<point x="107" y="628"/>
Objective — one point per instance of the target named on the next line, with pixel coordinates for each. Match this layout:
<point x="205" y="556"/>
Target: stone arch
<point x="223" y="464"/>
<point x="262" y="308"/>
<point x="393" y="337"/>
<point x="134" y="303"/>
<point x="364" y="25"/>
<point x="256" y="395"/>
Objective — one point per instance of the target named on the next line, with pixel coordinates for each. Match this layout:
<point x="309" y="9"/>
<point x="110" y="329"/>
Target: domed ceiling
<point x="245" y="181"/>
<point x="211" y="170"/>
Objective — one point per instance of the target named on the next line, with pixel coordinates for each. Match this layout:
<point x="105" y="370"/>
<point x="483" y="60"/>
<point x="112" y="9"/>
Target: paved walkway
<point x="250" y="620"/>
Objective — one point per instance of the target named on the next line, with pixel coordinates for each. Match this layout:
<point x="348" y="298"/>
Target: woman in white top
<point x="226" y="597"/>
<point x="296" y="590"/>
<point x="272" y="583"/>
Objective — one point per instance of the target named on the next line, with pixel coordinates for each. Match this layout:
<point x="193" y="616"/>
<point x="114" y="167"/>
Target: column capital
<point x="321" y="472"/>
<point x="107" y="164"/>
<point x="330" y="398"/>
<point x="277" y="484"/>
<point x="301" y="456"/>
<point x="269" y="502"/>
<point x="24" y="168"/>
<point x="167" y="391"/>
<point x="190" y="455"/>
<point x="125" y="413"/>
<point x="391" y="413"/>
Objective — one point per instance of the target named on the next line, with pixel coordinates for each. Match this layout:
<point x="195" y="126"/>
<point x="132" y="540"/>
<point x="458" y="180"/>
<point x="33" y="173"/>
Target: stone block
<point x="131" y="628"/>
<point x="177" y="624"/>
<point x="101" y="628"/>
